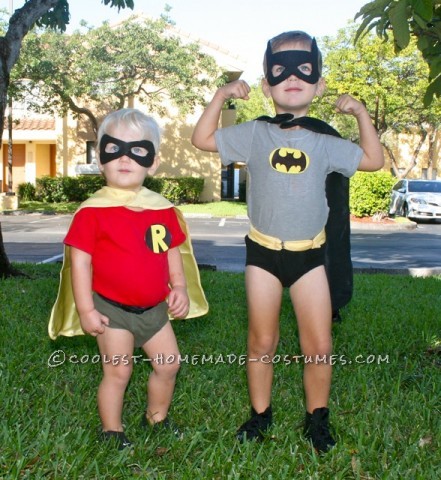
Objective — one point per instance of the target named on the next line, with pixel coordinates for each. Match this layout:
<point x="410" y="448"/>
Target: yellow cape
<point x="64" y="318"/>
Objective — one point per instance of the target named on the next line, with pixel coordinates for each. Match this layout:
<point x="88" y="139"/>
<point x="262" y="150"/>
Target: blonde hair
<point x="133" y="119"/>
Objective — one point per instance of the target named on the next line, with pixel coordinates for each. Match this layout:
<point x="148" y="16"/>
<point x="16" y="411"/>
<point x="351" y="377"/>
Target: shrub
<point x="50" y="189"/>
<point x="177" y="190"/>
<point x="370" y="193"/>
<point x="80" y="188"/>
<point x="77" y="189"/>
<point x="27" y="191"/>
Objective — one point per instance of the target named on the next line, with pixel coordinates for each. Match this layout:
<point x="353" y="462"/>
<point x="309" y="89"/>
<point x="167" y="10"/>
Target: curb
<point x="412" y="272"/>
<point x="198" y="215"/>
<point x="384" y="226"/>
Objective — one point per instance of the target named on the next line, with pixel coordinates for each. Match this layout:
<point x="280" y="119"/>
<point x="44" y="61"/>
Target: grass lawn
<point x="385" y="402"/>
<point x="217" y="209"/>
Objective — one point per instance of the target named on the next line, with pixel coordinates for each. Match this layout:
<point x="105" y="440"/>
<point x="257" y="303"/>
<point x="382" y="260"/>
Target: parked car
<point x="416" y="199"/>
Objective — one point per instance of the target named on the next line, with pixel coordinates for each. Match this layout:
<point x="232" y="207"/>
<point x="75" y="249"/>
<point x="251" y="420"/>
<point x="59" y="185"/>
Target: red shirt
<point x="129" y="251"/>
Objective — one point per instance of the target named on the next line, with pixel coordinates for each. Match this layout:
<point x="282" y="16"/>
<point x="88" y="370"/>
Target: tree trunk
<point x="415" y="154"/>
<point x="393" y="161"/>
<point x="431" y="164"/>
<point x="19" y="25"/>
<point x="6" y="269"/>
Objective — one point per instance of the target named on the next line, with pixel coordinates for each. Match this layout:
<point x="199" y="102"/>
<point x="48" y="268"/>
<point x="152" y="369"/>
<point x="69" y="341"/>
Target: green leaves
<point x="370" y="13"/>
<point x="406" y="19"/>
<point x="398" y="14"/>
<point x="423" y="8"/>
<point x="120" y="3"/>
<point x="256" y="106"/>
<point x="370" y="193"/>
<point x="56" y="18"/>
<point x="109" y="65"/>
<point x="433" y="90"/>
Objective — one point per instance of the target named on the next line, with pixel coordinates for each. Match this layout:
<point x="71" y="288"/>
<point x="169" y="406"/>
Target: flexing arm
<point x="373" y="158"/>
<point x="203" y="134"/>
<point x="178" y="302"/>
<point x="92" y="321"/>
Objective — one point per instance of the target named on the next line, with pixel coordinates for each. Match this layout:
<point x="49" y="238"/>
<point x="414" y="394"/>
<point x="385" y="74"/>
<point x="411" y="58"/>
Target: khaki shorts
<point x="142" y="326"/>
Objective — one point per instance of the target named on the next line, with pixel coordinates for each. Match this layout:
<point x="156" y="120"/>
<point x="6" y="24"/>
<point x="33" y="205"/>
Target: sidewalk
<point x="385" y="225"/>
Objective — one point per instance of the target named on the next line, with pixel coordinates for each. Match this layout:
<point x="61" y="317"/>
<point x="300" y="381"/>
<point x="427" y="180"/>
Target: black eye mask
<point x="292" y="60"/>
<point x="125" y="148"/>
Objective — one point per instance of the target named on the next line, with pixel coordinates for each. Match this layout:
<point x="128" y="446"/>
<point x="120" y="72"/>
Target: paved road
<point x="219" y="243"/>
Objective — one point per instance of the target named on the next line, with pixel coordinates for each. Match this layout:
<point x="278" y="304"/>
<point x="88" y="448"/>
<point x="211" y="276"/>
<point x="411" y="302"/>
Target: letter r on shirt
<point x="158" y="238"/>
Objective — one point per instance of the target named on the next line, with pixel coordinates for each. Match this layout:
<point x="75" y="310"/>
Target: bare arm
<point x="92" y="321"/>
<point x="203" y="134"/>
<point x="178" y="302"/>
<point x="373" y="158"/>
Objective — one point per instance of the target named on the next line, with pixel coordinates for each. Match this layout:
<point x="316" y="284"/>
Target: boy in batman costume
<point x="338" y="244"/>
<point x="290" y="159"/>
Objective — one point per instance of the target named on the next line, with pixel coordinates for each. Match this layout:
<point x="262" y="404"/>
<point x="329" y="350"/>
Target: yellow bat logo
<point x="289" y="160"/>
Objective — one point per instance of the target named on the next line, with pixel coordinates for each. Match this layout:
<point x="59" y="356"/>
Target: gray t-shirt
<point x="288" y="205"/>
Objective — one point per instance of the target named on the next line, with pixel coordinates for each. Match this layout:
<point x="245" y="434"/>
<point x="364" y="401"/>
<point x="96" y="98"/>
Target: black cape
<point x="338" y="262"/>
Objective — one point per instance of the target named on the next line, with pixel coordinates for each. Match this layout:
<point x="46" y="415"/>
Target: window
<point x="425" y="174"/>
<point x="90" y="152"/>
<point x="399" y="185"/>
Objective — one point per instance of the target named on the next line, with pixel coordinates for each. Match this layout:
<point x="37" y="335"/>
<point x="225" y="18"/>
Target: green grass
<point x="217" y="209"/>
<point x="385" y="401"/>
<point x="43" y="207"/>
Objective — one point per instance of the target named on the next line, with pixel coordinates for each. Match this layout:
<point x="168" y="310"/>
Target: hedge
<point x="77" y="189"/>
<point x="370" y="193"/>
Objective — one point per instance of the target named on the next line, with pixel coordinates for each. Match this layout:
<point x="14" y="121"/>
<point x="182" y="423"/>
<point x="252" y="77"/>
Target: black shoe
<point x="256" y="426"/>
<point x="119" y="438"/>
<point x="317" y="430"/>
<point x="165" y="425"/>
<point x="336" y="317"/>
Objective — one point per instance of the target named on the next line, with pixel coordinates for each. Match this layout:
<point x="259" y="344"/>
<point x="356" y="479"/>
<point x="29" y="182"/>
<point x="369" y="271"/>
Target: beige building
<point x="34" y="149"/>
<point x="414" y="156"/>
<point x="65" y="146"/>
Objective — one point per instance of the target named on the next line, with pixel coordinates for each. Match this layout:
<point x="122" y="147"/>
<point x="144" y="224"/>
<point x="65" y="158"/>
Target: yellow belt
<point x="274" y="243"/>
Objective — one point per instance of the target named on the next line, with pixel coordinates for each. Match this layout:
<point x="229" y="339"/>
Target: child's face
<point x="293" y="94"/>
<point x="124" y="172"/>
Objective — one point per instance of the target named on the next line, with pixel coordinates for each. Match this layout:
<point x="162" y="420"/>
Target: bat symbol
<point x="289" y="160"/>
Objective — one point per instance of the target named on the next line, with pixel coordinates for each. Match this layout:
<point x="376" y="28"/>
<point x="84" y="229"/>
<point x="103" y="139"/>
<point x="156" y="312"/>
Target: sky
<point x="241" y="26"/>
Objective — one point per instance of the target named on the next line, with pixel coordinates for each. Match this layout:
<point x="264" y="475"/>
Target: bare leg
<point x="162" y="380"/>
<point x="116" y="348"/>
<point x="312" y="304"/>
<point x="264" y="296"/>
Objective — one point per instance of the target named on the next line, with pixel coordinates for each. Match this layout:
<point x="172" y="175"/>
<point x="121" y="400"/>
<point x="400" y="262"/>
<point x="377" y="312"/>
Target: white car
<point x="416" y="199"/>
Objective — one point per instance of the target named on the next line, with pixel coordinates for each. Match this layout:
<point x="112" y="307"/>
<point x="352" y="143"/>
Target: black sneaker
<point x="164" y="425"/>
<point x="119" y="438"/>
<point x="256" y="426"/>
<point x="317" y="430"/>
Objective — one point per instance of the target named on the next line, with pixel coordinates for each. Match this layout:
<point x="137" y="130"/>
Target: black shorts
<point x="285" y="265"/>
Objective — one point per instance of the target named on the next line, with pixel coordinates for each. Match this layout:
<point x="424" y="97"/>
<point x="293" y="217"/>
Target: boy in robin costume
<point x="123" y="275"/>
<point x="288" y="160"/>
